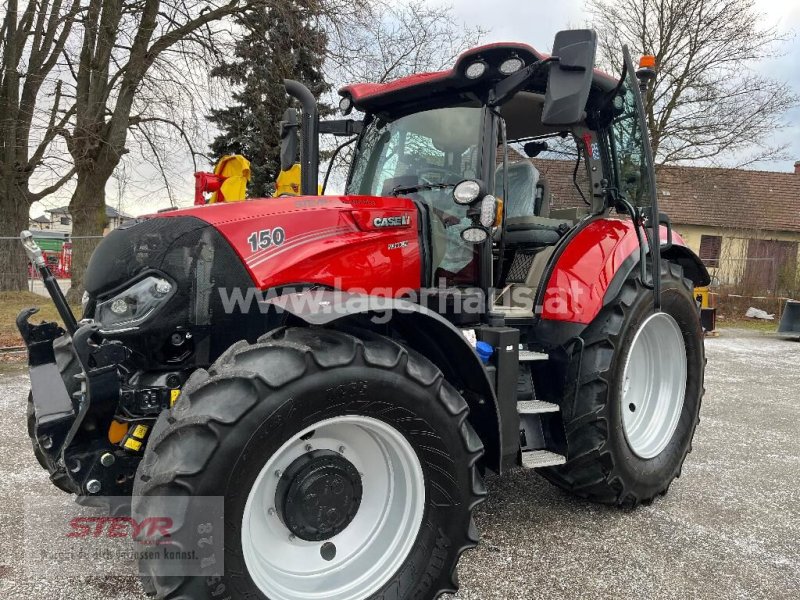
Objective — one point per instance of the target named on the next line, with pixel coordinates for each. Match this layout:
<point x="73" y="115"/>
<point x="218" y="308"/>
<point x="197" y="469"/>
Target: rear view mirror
<point x="534" y="149"/>
<point x="289" y="139"/>
<point x="570" y="77"/>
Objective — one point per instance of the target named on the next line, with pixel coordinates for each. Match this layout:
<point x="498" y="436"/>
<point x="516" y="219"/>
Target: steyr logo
<point x="120" y="527"/>
<point x="400" y="221"/>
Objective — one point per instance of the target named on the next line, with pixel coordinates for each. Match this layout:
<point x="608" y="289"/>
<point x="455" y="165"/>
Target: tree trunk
<point x="14" y="217"/>
<point x="88" y="211"/>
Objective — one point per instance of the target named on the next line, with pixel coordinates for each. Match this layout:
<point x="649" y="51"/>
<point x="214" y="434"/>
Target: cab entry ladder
<point x="532" y="416"/>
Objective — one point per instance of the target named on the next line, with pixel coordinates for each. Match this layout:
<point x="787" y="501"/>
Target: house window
<point x="710" y="248"/>
<point x="65" y="220"/>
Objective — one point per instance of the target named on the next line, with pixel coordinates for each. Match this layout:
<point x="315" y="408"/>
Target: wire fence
<point x="58" y="250"/>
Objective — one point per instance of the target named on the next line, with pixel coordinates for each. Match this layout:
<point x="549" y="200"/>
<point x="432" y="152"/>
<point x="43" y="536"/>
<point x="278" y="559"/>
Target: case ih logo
<point x="120" y="527"/>
<point x="401" y="221"/>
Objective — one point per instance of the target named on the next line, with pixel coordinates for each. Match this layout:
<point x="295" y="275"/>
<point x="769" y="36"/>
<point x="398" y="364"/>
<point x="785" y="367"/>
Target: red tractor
<point x="343" y="370"/>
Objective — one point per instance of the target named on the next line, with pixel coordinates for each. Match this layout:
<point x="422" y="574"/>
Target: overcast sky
<point x="537" y="21"/>
<point x="532" y="21"/>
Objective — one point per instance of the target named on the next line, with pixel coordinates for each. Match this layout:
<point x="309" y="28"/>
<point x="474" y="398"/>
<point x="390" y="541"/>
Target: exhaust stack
<point x="309" y="129"/>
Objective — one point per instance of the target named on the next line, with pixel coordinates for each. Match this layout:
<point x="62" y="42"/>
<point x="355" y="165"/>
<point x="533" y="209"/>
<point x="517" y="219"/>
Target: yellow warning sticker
<point x="132" y="444"/>
<point x="140" y="431"/>
<point x="173" y="397"/>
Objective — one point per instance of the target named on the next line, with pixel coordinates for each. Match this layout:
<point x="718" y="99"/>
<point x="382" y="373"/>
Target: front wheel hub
<point x="318" y="495"/>
<point x="353" y="456"/>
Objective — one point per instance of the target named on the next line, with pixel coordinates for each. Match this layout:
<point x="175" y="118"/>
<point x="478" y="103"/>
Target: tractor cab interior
<point x="423" y="155"/>
<point x="534" y="224"/>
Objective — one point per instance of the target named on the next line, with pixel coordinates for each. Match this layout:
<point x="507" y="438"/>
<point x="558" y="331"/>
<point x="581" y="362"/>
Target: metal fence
<point x="58" y="251"/>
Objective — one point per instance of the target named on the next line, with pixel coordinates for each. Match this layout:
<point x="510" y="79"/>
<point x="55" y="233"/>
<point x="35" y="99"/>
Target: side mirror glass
<point x="570" y="77"/>
<point x="289" y="139"/>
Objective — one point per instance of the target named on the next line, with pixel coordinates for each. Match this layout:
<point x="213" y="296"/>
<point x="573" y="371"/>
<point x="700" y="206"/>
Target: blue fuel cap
<point x="485" y="351"/>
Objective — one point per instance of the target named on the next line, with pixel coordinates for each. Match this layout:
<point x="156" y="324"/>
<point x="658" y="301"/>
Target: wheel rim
<point x="653" y="385"/>
<point x="372" y="546"/>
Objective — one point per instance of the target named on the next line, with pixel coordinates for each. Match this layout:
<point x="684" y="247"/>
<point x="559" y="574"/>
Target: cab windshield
<point x="422" y="156"/>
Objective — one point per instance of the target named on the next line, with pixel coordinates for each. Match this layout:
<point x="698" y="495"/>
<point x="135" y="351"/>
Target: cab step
<point x="531" y="356"/>
<point x="535" y="407"/>
<point x="536" y="459"/>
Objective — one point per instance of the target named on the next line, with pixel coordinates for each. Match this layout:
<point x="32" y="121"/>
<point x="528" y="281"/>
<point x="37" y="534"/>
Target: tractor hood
<point x="342" y="242"/>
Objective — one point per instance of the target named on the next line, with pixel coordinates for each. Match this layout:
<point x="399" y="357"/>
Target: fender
<point x="593" y="266"/>
<point x="420" y="329"/>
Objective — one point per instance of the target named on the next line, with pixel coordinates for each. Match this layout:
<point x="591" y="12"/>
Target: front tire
<point x="632" y="401"/>
<point x="364" y="420"/>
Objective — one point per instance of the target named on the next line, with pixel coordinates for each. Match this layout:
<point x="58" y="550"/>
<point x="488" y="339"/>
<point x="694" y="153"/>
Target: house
<point x="62" y="221"/>
<point x="744" y="224"/>
<point x="41" y="222"/>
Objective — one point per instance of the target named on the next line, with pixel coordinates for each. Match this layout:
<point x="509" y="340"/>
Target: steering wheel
<point x="445" y="174"/>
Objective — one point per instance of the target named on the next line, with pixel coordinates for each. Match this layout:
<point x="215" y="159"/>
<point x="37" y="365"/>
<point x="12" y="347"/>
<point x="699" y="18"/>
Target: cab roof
<point x="377" y="97"/>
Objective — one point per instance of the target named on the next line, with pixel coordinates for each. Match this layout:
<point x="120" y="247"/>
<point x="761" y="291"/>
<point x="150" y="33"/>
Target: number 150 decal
<point x="261" y="240"/>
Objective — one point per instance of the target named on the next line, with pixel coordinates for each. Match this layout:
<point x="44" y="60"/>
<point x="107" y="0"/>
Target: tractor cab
<point x="453" y="143"/>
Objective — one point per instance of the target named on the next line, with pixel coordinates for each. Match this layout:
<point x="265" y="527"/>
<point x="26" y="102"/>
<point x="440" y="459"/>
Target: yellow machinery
<point x="288" y="182"/>
<point x="228" y="182"/>
<point x="708" y="313"/>
<point x="701" y="294"/>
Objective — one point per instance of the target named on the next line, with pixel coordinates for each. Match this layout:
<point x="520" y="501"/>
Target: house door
<point x="771" y="266"/>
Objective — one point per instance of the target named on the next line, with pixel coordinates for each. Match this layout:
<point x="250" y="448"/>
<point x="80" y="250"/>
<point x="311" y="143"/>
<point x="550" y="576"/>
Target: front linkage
<point x="72" y="433"/>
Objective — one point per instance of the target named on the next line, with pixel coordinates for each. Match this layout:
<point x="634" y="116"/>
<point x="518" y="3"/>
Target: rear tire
<point x="614" y="458"/>
<point x="260" y="403"/>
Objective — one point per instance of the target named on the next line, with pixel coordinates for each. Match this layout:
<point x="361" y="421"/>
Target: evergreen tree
<point x="282" y="40"/>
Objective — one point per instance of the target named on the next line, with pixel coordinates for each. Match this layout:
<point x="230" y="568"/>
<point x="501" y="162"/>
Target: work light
<point x="346" y="105"/>
<point x="467" y="192"/>
<point x="474" y="234"/>
<point x="476" y="70"/>
<point x="511" y="65"/>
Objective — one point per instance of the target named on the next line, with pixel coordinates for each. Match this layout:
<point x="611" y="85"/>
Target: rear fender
<point x="592" y="267"/>
<point x="420" y="329"/>
<point x="693" y="267"/>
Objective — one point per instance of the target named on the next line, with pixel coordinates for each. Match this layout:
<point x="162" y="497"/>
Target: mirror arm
<point x="512" y="84"/>
<point x="341" y="127"/>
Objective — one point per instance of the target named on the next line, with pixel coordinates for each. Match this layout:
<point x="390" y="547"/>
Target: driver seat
<point x="527" y="207"/>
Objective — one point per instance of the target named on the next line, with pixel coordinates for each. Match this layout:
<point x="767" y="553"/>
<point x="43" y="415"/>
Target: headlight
<point x="467" y="192"/>
<point x="133" y="306"/>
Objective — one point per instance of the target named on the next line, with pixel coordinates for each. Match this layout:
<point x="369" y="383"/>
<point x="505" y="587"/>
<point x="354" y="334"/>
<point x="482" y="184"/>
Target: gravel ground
<point x="729" y="527"/>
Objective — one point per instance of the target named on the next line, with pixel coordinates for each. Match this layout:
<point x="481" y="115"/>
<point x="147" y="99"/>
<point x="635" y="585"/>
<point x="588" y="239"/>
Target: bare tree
<point x="126" y="45"/>
<point x="386" y="41"/>
<point x="709" y="102"/>
<point x="31" y="42"/>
